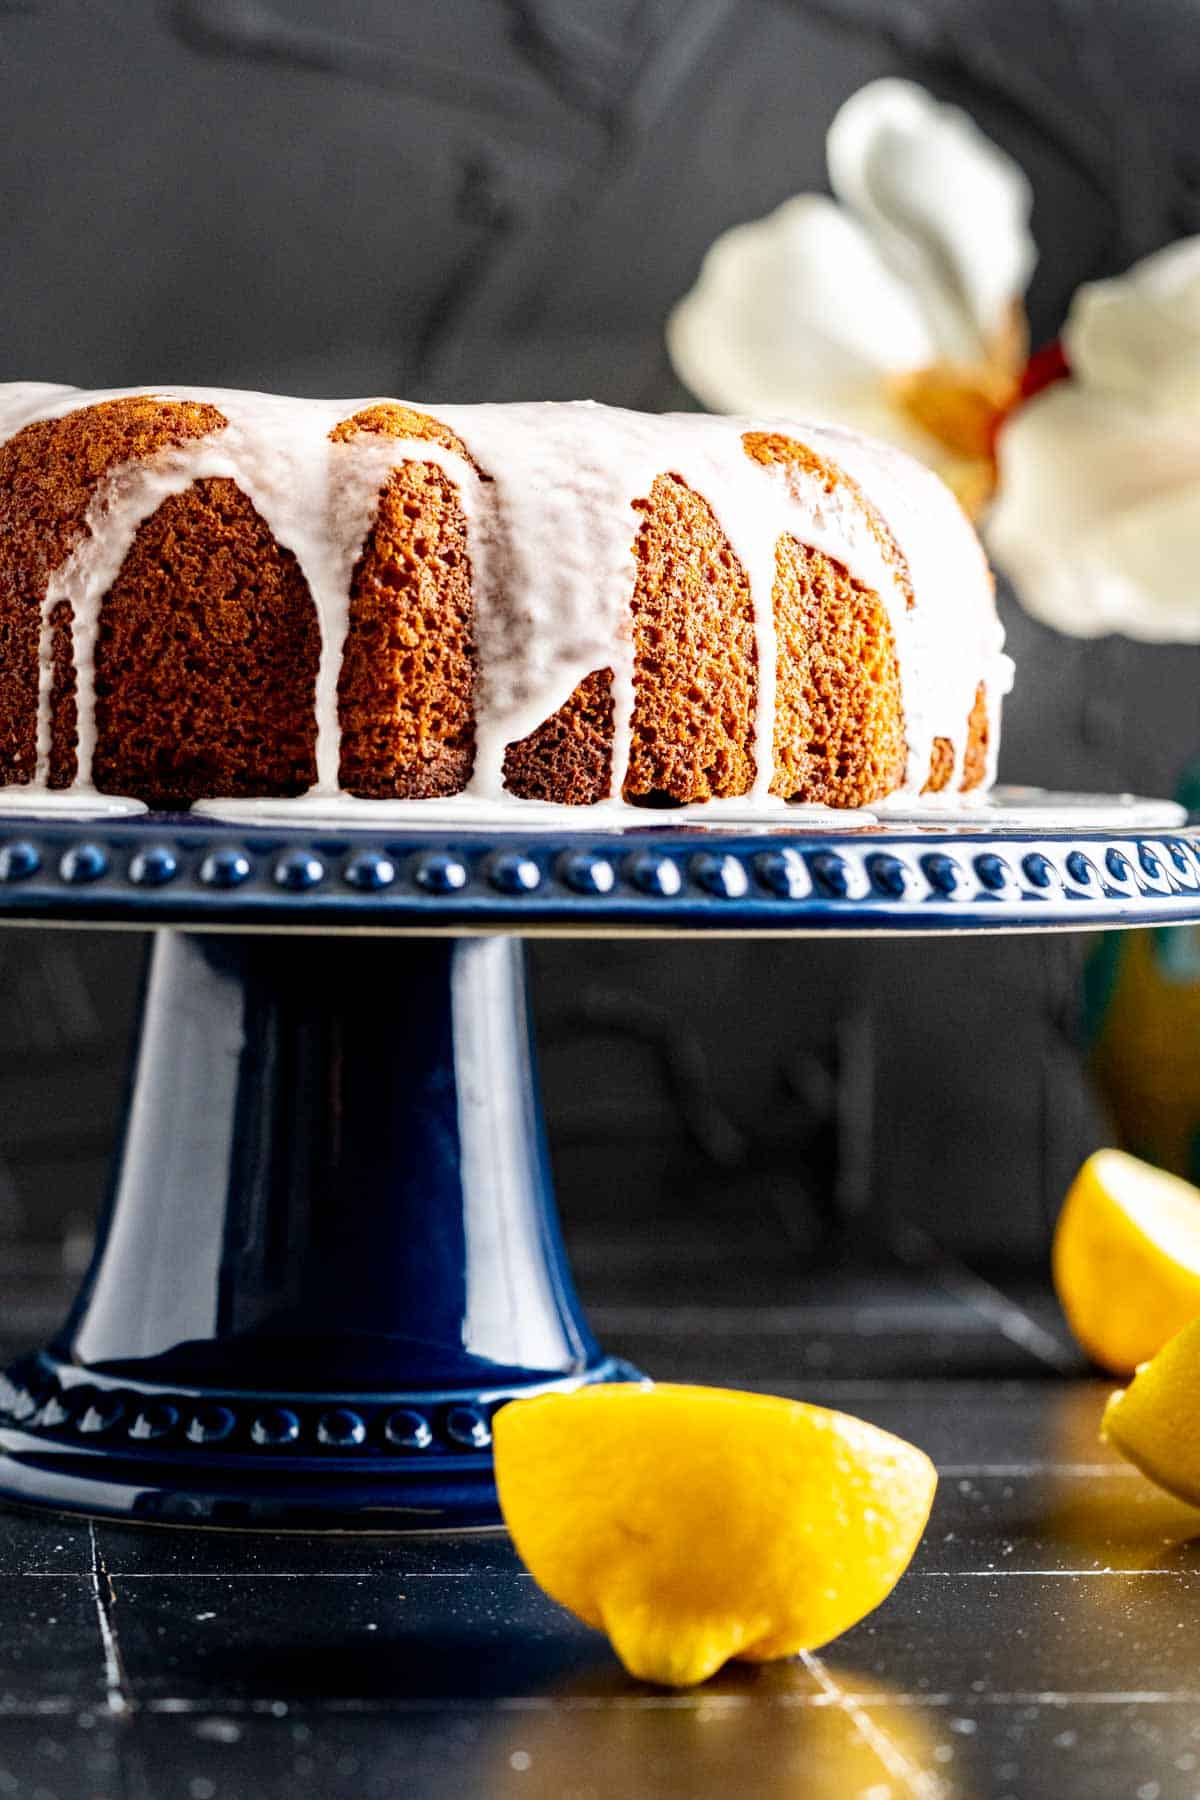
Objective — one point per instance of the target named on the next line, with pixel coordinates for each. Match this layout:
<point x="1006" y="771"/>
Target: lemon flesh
<point x="1152" y="1422"/>
<point x="1126" y="1258"/>
<point x="698" y="1524"/>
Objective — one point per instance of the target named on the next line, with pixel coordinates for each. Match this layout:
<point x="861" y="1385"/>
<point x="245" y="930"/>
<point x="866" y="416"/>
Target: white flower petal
<point x="1098" y="517"/>
<point x="1148" y="556"/>
<point x="1140" y="334"/>
<point x="948" y="208"/>
<point x="797" y="313"/>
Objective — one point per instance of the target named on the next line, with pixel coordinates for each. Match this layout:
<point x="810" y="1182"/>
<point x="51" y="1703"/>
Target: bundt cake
<point x="209" y="595"/>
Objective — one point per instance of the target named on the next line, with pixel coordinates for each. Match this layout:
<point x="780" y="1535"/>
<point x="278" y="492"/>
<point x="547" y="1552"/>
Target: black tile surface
<point x="1042" y="1643"/>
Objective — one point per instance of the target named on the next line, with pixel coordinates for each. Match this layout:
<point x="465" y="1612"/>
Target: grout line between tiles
<point x="1089" y="1471"/>
<point x="920" y="1783"/>
<point x="1061" y="1697"/>
<point x="917" y="1249"/>
<point x="655" y="1702"/>
<point x="1045" y="1574"/>
<point x="658" y="1702"/>
<point x="116" y="1686"/>
<point x="396" y="1574"/>
<point x="405" y="1575"/>
<point x="237" y="1705"/>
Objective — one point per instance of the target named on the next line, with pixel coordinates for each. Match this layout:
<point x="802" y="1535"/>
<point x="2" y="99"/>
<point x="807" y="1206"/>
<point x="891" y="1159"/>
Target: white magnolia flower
<point x="1098" y="517"/>
<point x="895" y="307"/>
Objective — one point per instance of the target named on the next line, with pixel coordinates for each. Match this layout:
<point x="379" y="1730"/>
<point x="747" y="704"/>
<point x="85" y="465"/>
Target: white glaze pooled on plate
<point x="551" y="530"/>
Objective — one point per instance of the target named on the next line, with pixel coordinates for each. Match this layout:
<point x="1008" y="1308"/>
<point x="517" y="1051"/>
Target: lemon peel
<point x="1152" y="1422"/>
<point x="695" y="1525"/>
<point x="1126" y="1258"/>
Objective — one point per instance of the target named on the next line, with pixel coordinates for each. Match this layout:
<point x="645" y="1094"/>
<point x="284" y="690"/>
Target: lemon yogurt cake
<point x="211" y="595"/>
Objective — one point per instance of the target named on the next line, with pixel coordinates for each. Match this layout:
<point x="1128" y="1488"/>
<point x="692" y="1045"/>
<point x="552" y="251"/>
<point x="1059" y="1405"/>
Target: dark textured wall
<point x="491" y="200"/>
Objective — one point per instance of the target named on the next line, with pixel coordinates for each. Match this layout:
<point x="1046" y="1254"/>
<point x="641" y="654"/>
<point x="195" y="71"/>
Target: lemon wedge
<point x="1126" y="1258"/>
<point x="697" y="1524"/>
<point x="1152" y="1422"/>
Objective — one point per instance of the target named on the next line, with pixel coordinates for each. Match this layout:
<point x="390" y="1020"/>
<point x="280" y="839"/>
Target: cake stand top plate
<point x="1023" y="860"/>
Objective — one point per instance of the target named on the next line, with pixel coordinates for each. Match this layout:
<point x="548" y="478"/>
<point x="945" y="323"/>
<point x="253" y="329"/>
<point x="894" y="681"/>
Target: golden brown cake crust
<point x="49" y="473"/>
<point x="407" y="683"/>
<point x="773" y="449"/>
<point x="975" y="756"/>
<point x="941" y="762"/>
<point x="839" y="721"/>
<point x="941" y="766"/>
<point x="695" y="670"/>
<point x="206" y="658"/>
<point x="389" y="419"/>
<point x="568" y="758"/>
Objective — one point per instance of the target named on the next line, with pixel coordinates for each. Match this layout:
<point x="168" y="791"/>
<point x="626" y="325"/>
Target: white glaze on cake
<point x="551" y="535"/>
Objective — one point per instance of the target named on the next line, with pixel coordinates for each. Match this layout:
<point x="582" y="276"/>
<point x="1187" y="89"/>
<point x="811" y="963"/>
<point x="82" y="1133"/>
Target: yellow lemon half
<point x="1127" y="1258"/>
<point x="697" y="1524"/>
<point x="1153" y="1422"/>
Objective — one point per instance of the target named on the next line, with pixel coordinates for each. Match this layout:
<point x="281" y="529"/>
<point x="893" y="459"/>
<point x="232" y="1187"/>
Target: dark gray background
<point x="496" y="200"/>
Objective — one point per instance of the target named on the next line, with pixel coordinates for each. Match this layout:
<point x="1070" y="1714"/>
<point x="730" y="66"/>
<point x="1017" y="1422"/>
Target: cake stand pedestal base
<point x="330" y="1252"/>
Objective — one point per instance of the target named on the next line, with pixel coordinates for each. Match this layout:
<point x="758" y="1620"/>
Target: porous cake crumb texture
<point x="695" y="669"/>
<point x="839" y="722"/>
<point x="406" y="691"/>
<point x="213" y="619"/>
<point x="568" y="758"/>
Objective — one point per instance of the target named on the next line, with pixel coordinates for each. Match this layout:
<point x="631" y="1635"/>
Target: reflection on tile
<point x="1104" y="1748"/>
<point x="77" y="1751"/>
<point x="659" y="1752"/>
<point x="1025" y="1635"/>
<point x="770" y="1748"/>
<point x="1058" y="1521"/>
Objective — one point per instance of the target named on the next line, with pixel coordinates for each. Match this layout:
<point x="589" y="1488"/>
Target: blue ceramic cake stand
<point x="330" y="1252"/>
